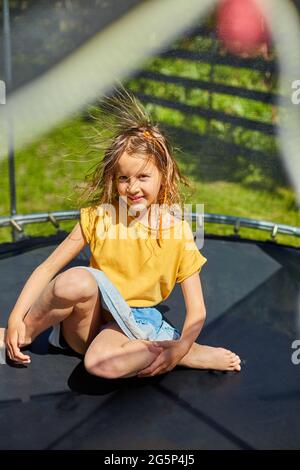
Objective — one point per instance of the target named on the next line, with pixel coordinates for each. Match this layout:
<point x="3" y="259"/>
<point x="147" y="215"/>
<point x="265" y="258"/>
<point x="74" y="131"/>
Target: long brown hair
<point x="130" y="129"/>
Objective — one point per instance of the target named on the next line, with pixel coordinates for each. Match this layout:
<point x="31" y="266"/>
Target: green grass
<point x="233" y="199"/>
<point x="47" y="171"/>
<point x="234" y="171"/>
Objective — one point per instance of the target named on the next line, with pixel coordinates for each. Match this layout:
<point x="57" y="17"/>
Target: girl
<point x="107" y="311"/>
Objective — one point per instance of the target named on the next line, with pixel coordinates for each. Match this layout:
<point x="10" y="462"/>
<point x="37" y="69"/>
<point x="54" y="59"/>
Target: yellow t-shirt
<point x="127" y="252"/>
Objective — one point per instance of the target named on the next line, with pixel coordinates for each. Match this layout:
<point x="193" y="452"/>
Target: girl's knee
<point x="105" y="368"/>
<point x="75" y="284"/>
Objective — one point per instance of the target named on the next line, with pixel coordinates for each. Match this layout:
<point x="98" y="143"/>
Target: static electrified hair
<point x="126" y="126"/>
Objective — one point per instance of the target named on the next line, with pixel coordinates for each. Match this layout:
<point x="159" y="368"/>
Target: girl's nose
<point x="132" y="186"/>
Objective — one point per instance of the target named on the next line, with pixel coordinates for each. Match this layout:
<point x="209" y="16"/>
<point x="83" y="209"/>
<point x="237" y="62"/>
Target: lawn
<point x="47" y="171"/>
<point x="234" y="170"/>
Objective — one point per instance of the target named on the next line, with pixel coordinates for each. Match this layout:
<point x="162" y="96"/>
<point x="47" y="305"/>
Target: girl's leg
<point x="112" y="355"/>
<point x="72" y="298"/>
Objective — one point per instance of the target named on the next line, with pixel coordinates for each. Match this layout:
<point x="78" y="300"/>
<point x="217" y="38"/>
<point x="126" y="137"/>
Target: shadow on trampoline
<point x="82" y="382"/>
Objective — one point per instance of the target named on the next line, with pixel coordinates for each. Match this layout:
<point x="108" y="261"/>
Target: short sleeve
<point x="191" y="260"/>
<point x="94" y="221"/>
<point x="87" y="222"/>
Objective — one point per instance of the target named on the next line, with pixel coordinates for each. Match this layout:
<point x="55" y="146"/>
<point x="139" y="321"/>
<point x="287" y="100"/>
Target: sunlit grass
<point x="48" y="170"/>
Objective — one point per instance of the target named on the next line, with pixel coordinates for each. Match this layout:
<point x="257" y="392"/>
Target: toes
<point x="227" y="352"/>
<point x="231" y="360"/>
<point x="236" y="364"/>
<point x="236" y="359"/>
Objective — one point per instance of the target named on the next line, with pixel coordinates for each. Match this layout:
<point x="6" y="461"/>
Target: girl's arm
<point x="42" y="275"/>
<point x="35" y="284"/>
<point x="195" y="310"/>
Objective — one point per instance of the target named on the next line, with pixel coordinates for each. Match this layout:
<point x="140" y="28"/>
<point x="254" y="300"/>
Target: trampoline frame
<point x="18" y="221"/>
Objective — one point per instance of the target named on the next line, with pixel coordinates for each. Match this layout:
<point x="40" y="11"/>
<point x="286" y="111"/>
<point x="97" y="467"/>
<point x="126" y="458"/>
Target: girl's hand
<point x="171" y="354"/>
<point x="14" y="338"/>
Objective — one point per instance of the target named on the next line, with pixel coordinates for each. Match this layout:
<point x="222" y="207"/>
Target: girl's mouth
<point x="135" y="199"/>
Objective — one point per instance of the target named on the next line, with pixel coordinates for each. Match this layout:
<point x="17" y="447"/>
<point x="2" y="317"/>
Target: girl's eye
<point x="124" y="178"/>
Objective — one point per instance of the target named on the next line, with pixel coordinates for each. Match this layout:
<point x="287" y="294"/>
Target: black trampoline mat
<point x="252" y="297"/>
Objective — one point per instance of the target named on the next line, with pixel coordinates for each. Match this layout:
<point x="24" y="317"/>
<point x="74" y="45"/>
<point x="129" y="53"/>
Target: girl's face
<point x="139" y="180"/>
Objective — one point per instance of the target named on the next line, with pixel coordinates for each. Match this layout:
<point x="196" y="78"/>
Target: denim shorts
<point x="161" y="329"/>
<point x="145" y="323"/>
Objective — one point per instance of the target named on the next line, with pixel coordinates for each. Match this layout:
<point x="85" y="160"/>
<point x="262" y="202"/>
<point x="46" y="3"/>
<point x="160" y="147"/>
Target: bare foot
<point x="208" y="357"/>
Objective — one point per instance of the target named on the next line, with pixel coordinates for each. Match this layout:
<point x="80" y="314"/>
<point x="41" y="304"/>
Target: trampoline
<point x="55" y="404"/>
<point x="252" y="296"/>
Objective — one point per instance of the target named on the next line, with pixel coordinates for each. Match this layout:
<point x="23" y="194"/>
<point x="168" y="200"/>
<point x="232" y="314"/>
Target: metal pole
<point x="8" y="81"/>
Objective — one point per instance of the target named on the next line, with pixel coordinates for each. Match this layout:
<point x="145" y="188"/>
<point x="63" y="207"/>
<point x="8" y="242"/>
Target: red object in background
<point x="241" y="26"/>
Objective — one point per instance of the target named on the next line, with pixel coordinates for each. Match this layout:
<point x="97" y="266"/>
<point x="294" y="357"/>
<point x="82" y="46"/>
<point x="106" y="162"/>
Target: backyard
<point x="233" y="170"/>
